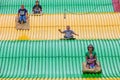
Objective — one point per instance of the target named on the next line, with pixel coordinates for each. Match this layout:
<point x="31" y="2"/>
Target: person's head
<point x="68" y="27"/>
<point x="37" y="3"/>
<point x="90" y="47"/>
<point x="22" y="6"/>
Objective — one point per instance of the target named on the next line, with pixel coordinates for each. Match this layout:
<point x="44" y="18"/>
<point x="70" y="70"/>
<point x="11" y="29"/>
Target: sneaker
<point x="24" y="21"/>
<point x="19" y="21"/>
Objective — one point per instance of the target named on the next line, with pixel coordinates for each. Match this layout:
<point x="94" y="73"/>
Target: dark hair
<point x="91" y="46"/>
<point x="37" y="1"/>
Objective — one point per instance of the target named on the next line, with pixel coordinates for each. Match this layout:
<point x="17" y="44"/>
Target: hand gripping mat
<point x="95" y="70"/>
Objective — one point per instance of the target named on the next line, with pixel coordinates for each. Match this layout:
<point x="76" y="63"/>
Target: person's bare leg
<point x="88" y="67"/>
<point x="40" y="12"/>
<point x="96" y="66"/>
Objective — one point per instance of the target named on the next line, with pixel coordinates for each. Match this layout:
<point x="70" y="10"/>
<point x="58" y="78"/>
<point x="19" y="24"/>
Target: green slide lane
<point x="56" y="58"/>
<point x="58" y="6"/>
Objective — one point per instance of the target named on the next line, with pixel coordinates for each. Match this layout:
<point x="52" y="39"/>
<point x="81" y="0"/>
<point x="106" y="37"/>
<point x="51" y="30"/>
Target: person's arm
<point x="33" y="8"/>
<point x="18" y="13"/>
<point x="40" y="7"/>
<point x="86" y="55"/>
<point x="75" y="33"/>
<point x="60" y="31"/>
<point x="86" y="58"/>
<point x="95" y="59"/>
<point x="26" y="14"/>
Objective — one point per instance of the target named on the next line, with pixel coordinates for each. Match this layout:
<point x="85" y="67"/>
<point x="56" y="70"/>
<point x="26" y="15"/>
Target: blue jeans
<point x="22" y="18"/>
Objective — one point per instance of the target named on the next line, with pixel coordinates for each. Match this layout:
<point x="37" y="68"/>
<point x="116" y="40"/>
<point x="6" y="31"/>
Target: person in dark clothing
<point x="37" y="8"/>
<point x="22" y="14"/>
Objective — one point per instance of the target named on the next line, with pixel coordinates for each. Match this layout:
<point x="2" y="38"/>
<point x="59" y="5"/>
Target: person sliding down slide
<point x="68" y="33"/>
<point x="37" y="8"/>
<point x="22" y="14"/>
<point x="91" y="58"/>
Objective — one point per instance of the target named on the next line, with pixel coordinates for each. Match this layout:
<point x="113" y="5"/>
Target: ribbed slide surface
<point x="58" y="6"/>
<point x="45" y="27"/>
<point x="39" y="54"/>
<point x="56" y="59"/>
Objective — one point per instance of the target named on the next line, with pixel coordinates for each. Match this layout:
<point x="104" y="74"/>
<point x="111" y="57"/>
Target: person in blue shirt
<point x="22" y="14"/>
<point x="37" y="8"/>
<point x="68" y="33"/>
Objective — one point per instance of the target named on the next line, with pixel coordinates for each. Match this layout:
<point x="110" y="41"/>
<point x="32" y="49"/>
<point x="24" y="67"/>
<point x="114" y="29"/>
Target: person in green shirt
<point x="91" y="57"/>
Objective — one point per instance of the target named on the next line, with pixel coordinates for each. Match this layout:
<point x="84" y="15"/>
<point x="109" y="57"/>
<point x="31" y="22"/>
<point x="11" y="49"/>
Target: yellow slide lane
<point x="45" y="27"/>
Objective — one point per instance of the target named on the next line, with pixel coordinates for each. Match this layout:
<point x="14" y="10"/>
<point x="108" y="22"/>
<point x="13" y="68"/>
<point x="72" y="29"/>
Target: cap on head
<point x="91" y="46"/>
